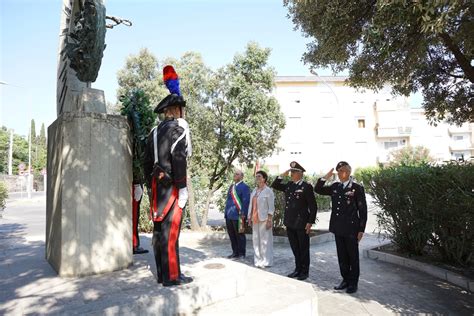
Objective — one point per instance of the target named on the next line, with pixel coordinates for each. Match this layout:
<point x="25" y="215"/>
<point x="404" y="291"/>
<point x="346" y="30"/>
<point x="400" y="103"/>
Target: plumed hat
<point x="171" y="79"/>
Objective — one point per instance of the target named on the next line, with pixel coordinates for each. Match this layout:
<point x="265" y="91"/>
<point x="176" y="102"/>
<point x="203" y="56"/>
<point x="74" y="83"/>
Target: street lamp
<point x="312" y="71"/>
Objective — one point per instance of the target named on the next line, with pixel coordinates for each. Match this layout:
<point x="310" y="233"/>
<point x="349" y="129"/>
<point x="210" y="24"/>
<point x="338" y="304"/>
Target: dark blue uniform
<point x="300" y="209"/>
<point x="348" y="218"/>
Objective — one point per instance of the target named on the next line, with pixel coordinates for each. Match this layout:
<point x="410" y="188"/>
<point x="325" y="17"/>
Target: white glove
<point x="138" y="192"/>
<point x="182" y="197"/>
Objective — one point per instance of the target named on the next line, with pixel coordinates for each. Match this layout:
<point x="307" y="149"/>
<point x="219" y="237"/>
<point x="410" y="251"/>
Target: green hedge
<point x="364" y="175"/>
<point x="3" y="195"/>
<point x="424" y="205"/>
<point x="324" y="202"/>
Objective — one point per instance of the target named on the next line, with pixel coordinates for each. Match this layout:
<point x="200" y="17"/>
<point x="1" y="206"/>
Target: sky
<point x="29" y="39"/>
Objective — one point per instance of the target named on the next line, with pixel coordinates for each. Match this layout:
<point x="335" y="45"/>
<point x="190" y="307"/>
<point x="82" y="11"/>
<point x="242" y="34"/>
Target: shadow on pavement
<point x="28" y="284"/>
<point x="397" y="289"/>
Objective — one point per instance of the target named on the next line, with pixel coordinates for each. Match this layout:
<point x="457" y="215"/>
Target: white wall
<point x="322" y="127"/>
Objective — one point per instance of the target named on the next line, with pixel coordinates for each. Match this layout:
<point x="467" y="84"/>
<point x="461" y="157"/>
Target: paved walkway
<point x="29" y="285"/>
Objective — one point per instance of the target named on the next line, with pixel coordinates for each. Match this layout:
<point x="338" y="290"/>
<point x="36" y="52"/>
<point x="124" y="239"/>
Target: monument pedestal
<point x="88" y="207"/>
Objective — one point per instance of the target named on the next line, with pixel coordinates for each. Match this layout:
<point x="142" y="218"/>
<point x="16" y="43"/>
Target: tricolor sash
<point x="236" y="198"/>
<point x="238" y="205"/>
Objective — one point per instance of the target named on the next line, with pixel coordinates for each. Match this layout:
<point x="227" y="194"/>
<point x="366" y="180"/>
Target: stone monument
<point x="88" y="218"/>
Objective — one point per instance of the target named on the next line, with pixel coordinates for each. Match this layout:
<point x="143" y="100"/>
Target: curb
<point x="437" y="272"/>
<point x="326" y="237"/>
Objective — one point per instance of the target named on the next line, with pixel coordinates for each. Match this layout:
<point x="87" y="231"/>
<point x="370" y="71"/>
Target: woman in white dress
<point x="261" y="209"/>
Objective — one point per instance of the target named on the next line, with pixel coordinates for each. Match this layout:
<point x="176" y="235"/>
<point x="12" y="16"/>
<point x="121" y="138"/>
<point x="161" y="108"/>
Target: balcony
<point x="461" y="146"/>
<point x="464" y="129"/>
<point x="400" y="131"/>
<point x="391" y="105"/>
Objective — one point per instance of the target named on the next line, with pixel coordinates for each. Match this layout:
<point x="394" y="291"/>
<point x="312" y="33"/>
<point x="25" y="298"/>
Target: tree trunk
<point x="462" y="60"/>
<point x="210" y="193"/>
<point x="192" y="207"/>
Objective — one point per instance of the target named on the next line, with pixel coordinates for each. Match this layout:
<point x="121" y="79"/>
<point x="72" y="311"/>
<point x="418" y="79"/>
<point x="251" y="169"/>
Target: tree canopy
<point x="19" y="154"/>
<point x="410" y="156"/>
<point x="425" y="46"/>
<point x="231" y="114"/>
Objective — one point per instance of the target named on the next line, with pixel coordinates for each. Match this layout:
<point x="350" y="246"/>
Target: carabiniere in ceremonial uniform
<point x="348" y="220"/>
<point x="300" y="215"/>
<point x="165" y="161"/>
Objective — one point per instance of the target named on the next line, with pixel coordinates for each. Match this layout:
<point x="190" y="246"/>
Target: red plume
<point x="169" y="73"/>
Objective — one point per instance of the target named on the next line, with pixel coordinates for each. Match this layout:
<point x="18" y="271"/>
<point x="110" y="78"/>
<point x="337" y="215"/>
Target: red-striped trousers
<point x="166" y="244"/>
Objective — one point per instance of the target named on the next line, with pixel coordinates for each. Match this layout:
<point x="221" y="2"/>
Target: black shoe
<point x="351" y="289"/>
<point x="160" y="281"/>
<point x="343" y="285"/>
<point x="171" y="283"/>
<point x="185" y="279"/>
<point x="232" y="256"/>
<point x="139" y="251"/>
<point x="294" y="274"/>
<point x="302" y="276"/>
<point x="181" y="280"/>
<point x="240" y="257"/>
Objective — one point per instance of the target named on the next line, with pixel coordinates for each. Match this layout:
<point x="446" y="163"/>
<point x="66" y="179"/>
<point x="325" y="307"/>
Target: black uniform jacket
<point x="172" y="159"/>
<point x="349" y="207"/>
<point x="300" y="203"/>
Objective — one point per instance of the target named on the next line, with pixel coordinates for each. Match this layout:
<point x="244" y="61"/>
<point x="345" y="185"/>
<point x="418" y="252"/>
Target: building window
<point x="361" y="123"/>
<point x="390" y="145"/>
<point x="458" y="137"/>
<point x="458" y="156"/>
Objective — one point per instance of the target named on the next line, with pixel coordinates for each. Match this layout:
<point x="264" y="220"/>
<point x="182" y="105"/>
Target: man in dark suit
<point x="300" y="215"/>
<point x="236" y="209"/>
<point x="348" y="219"/>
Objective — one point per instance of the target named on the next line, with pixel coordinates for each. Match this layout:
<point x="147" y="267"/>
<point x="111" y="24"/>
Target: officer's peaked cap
<point x="296" y="166"/>
<point x="341" y="164"/>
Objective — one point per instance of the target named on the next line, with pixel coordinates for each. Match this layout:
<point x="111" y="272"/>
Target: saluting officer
<point x="300" y="215"/>
<point x="348" y="219"/>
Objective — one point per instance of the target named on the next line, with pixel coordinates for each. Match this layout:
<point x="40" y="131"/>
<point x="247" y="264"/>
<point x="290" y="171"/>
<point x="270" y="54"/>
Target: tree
<point x="410" y="156"/>
<point x="20" y="152"/>
<point x="4" y="147"/>
<point x="142" y="72"/>
<point x="230" y="113"/>
<point x="42" y="136"/>
<point x="425" y="46"/>
<point x="196" y="87"/>
<point x="33" y="132"/>
<point x="244" y="120"/>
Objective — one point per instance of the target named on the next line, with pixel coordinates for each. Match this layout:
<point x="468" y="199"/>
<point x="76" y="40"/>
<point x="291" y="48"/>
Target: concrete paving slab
<point x="268" y="294"/>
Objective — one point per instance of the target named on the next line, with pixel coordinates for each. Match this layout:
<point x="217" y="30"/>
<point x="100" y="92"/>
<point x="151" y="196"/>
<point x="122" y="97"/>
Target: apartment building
<point x="328" y="121"/>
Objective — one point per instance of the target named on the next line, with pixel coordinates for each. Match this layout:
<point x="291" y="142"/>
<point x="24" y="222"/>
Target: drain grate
<point x="214" y="266"/>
